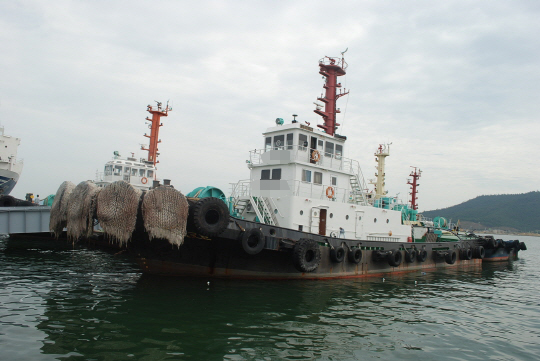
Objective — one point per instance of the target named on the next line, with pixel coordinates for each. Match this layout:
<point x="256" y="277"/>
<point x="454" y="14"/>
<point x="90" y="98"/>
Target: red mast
<point x="154" y="130"/>
<point x="415" y="175"/>
<point x="331" y="68"/>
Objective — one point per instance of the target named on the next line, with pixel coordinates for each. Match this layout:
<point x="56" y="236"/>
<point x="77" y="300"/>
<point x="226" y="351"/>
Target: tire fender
<point x="410" y="255"/>
<point x="394" y="258"/>
<point x="253" y="241"/>
<point x="306" y="255"/>
<point x="210" y="216"/>
<point x="337" y="254"/>
<point x="355" y="255"/>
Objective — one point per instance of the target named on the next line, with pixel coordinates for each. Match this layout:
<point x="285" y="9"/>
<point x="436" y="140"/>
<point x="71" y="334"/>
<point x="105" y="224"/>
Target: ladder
<point x="358" y="187"/>
<point x="262" y="210"/>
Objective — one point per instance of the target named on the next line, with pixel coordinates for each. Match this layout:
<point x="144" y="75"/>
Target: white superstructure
<point x="300" y="180"/>
<point x="138" y="172"/>
<point x="10" y="166"/>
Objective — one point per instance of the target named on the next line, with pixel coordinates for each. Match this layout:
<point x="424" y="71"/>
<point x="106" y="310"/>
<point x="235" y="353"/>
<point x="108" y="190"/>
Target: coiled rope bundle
<point x="117" y="206"/>
<point x="165" y="212"/>
<point x="59" y="208"/>
<point x="82" y="210"/>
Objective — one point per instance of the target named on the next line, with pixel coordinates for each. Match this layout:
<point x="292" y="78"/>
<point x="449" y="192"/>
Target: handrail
<point x="275" y="206"/>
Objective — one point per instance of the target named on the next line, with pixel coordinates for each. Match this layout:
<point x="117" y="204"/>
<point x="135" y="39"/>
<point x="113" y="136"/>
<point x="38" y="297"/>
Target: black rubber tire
<point x="22" y="203"/>
<point x="479" y="252"/>
<point x="450" y="257"/>
<point x="491" y="243"/>
<point x="410" y="256"/>
<point x="337" y="254"/>
<point x="355" y="255"/>
<point x="522" y="246"/>
<point x="210" y="216"/>
<point x="378" y="256"/>
<point x="8" y="201"/>
<point x="253" y="241"/>
<point x="466" y="254"/>
<point x="422" y="255"/>
<point x="306" y="255"/>
<point x="394" y="258"/>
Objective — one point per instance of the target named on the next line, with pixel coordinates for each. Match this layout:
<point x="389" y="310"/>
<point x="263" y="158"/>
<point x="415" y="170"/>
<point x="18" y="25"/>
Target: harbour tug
<point x="306" y="213"/>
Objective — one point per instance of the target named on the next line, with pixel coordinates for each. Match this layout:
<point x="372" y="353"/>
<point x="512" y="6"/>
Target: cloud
<point x="452" y="85"/>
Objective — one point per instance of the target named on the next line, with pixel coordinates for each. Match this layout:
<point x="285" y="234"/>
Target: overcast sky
<point x="454" y="85"/>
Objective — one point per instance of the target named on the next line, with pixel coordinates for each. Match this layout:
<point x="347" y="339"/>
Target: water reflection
<point x="94" y="305"/>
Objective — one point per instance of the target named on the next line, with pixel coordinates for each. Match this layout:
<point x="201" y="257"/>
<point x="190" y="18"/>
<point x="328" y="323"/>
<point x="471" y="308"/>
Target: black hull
<point x="225" y="257"/>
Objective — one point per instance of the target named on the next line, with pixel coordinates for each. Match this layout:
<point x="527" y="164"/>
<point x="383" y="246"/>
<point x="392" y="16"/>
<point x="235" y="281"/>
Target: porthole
<point x="387" y="221"/>
<point x="301" y="212"/>
<point x="315" y="214"/>
<point x="331" y="215"/>
<point x="272" y="232"/>
<point x="347" y="217"/>
<point x="375" y="220"/>
<point x="275" y="211"/>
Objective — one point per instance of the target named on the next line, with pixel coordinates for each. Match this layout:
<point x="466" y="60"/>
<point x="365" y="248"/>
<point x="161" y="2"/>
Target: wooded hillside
<point x="517" y="211"/>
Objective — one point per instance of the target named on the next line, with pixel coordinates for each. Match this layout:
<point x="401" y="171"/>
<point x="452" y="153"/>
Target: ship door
<point x="313" y="147"/>
<point x="359" y="224"/>
<point x="318" y="221"/>
<point x="322" y="223"/>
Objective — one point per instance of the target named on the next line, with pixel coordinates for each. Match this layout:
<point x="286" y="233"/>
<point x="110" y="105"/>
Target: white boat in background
<point x="140" y="173"/>
<point x="10" y="166"/>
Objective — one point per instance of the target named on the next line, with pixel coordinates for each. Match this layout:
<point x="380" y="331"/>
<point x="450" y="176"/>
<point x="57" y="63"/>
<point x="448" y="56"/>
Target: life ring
<point x="330" y="192"/>
<point x="253" y="241"/>
<point x="144" y="180"/>
<point x="306" y="255"/>
<point x="315" y="155"/>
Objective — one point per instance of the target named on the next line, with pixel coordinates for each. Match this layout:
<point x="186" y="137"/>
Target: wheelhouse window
<point x="317" y="179"/>
<point x="339" y="151"/>
<point x="108" y="169"/>
<point x="333" y="180"/>
<point x="279" y="142"/>
<point x="329" y="151"/>
<point x="290" y="141"/>
<point x="265" y="174"/>
<point x="117" y="170"/>
<point x="320" y="144"/>
<point x="127" y="170"/>
<point x="150" y="174"/>
<point x="302" y="142"/>
<point x="306" y="175"/>
<point x="267" y="144"/>
<point x="276" y="173"/>
<point x="134" y="172"/>
<point x="141" y="172"/>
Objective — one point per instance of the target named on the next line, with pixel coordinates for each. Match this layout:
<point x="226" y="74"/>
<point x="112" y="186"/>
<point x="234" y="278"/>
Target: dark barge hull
<point x="224" y="256"/>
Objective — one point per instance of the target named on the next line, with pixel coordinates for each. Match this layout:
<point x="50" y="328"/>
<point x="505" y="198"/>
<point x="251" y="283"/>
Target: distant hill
<point x="504" y="211"/>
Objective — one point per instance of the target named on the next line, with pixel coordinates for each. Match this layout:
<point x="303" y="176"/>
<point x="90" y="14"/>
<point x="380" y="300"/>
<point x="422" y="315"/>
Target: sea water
<point x="65" y="302"/>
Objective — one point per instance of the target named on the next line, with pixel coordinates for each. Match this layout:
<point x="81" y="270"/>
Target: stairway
<point x="358" y="190"/>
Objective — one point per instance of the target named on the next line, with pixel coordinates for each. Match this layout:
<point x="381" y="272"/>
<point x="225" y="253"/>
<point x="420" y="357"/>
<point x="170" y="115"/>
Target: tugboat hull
<point x="226" y="256"/>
